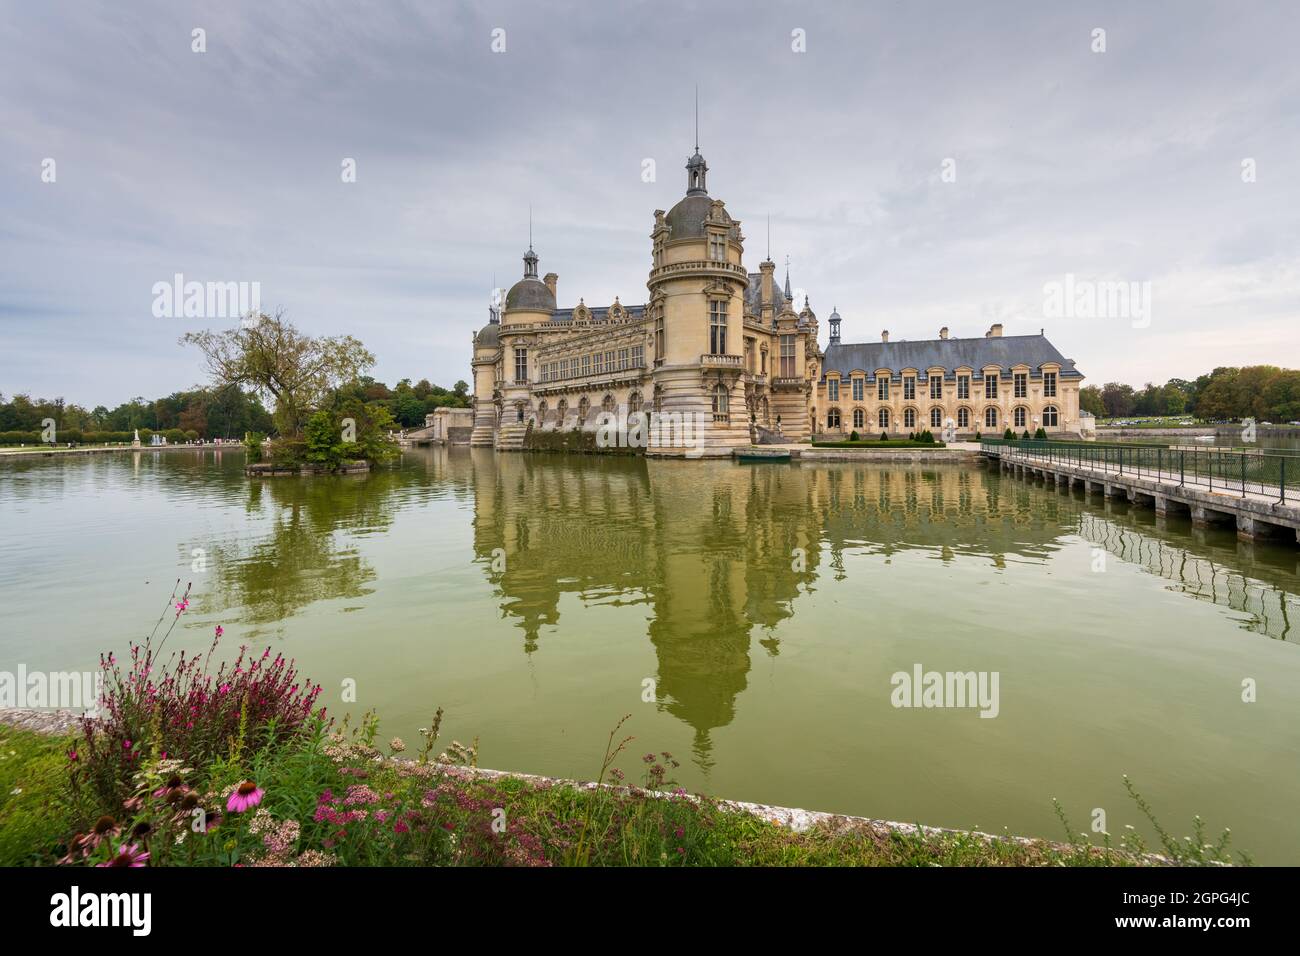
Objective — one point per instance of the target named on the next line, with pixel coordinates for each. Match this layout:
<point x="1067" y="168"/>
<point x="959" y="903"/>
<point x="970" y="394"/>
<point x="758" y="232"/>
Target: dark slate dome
<point x="686" y="219"/>
<point x="489" y="337"/>
<point x="532" y="294"/>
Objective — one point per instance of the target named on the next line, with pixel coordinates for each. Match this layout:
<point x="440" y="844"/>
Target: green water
<point x="769" y="673"/>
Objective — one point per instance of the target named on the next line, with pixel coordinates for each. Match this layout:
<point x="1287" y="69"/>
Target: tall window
<point x="1021" y="384"/>
<point x="718" y="248"/>
<point x="882" y="388"/>
<point x="584" y="406"/>
<point x="634" y="402"/>
<point x="599" y="364"/>
<point x="607" y="403"/>
<point x="1049" y="384"/>
<point x="609" y="361"/>
<point x="1019" y="416"/>
<point x="936" y="418"/>
<point x="857" y="389"/>
<point x="833" y="418"/>
<point x="721" y="403"/>
<point x="586" y="365"/>
<point x="564" y="368"/>
<point x="963" y="418"/>
<point x="521" y="365"/>
<point x="991" y="417"/>
<point x="833" y="390"/>
<point x="659" y="338"/>
<point x="909" y="418"/>
<point x="638" y="356"/>
<point x="990" y="384"/>
<point x="1050" y="416"/>
<point x="717" y="327"/>
<point x="883" y="418"/>
<point x="859" y="418"/>
<point x="936" y="386"/>
<point x="622" y="359"/>
<point x="909" y="388"/>
<point x="963" y="386"/>
<point x="787" y="356"/>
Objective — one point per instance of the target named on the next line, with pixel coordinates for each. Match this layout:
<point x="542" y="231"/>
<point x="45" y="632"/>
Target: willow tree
<point x="272" y="358"/>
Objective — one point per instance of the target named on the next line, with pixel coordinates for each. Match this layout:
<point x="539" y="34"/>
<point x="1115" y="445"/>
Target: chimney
<point x="994" y="332"/>
<point x="884" y="335"/>
<point x="943" y="332"/>
<point x="550" y="280"/>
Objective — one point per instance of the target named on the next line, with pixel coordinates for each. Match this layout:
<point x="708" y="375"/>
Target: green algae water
<point x="749" y="618"/>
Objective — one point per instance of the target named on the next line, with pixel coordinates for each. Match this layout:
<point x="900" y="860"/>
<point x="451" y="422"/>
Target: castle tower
<point x="697" y="293"/>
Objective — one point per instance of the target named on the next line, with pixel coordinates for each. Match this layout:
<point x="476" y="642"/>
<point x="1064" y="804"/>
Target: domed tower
<point x="697" y="293"/>
<point x="528" y="304"/>
<point x="485" y="367"/>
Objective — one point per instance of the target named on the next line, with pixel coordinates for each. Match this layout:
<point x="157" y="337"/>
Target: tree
<point x="274" y="359"/>
<point x="461" y="389"/>
<point x="1090" y="401"/>
<point x="1118" y="399"/>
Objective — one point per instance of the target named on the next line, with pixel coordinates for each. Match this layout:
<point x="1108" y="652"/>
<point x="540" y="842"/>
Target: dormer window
<point x="718" y="248"/>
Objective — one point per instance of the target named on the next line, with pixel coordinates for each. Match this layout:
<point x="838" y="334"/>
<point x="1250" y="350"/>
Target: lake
<point x="749" y="618"/>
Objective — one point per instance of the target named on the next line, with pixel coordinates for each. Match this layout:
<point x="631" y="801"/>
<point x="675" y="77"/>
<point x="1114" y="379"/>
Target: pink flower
<point x="244" y="797"/>
<point x="127" y="855"/>
<point x="220" y="630"/>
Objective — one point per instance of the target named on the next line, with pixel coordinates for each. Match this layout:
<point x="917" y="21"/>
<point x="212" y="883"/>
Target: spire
<point x="835" y="326"/>
<point x="769" y="237"/>
<point x="530" y="257"/>
<point x="696" y="167"/>
<point x="788" y="294"/>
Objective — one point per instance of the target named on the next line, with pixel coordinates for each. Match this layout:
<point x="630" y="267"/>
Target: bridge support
<point x="1115" y="491"/>
<point x="1203" y="517"/>
<point x="1142" y="498"/>
<point x="1251" y="528"/>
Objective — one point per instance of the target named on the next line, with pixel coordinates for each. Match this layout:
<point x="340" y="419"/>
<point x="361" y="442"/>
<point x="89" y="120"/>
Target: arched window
<point x="909" y="418"/>
<point x="519" y="411"/>
<point x="721" y="403"/>
<point x="1050" y="418"/>
<point x="541" y="413"/>
<point x="859" y="418"/>
<point x="584" y="406"/>
<point x="607" y="403"/>
<point x="963" y="418"/>
<point x="634" y="402"/>
<point x="936" y="417"/>
<point x="833" y="418"/>
<point x="990" y="417"/>
<point x="1019" y="416"/>
<point x="883" y="418"/>
<point x="658" y="399"/>
<point x="561" y="412"/>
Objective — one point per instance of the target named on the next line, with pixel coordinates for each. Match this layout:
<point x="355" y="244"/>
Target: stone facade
<point x="722" y="356"/>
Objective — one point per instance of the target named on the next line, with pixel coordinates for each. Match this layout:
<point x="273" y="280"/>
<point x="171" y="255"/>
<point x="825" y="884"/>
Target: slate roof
<point x="754" y="295"/>
<point x="949" y="354"/>
<point x="600" y="314"/>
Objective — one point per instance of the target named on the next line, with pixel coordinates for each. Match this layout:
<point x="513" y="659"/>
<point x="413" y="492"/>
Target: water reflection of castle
<point x="718" y="559"/>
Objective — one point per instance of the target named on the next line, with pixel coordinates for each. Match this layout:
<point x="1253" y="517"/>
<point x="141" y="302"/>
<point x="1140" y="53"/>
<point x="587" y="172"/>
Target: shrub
<point x="253" y="445"/>
<point x="853" y="436"/>
<point x="1008" y="435"/>
<point x="1040" y="435"/>
<point x="324" y="441"/>
<point x="884" y="436"/>
<point x="1025" y="436"/>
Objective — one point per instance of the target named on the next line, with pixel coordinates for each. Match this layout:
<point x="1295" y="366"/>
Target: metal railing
<point x="1261" y="473"/>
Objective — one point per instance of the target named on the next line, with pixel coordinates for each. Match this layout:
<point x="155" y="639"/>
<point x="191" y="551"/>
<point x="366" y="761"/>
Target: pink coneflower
<point x="244" y="797"/>
<point x="220" y="630"/>
<point x="127" y="855"/>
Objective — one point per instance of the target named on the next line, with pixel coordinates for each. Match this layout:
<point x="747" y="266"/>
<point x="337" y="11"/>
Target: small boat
<point x="753" y="454"/>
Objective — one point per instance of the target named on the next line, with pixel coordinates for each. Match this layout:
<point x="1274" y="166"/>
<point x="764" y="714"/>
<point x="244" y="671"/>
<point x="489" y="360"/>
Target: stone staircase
<point x="511" y="437"/>
<point x="766" y="436"/>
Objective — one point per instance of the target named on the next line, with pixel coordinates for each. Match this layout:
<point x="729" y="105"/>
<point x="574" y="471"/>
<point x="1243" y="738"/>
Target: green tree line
<point x="1262" y="392"/>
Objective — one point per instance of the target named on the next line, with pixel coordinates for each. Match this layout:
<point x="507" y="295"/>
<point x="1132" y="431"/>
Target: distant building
<point x="726" y="349"/>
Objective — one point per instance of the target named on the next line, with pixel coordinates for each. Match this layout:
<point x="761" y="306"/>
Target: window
<point x="1049" y="384"/>
<point x="521" y="365"/>
<point x="634" y="402"/>
<point x="607" y="403"/>
<point x="584" y="406"/>
<point x="883" y="418"/>
<point x="659" y="338"/>
<point x="963" y="386"/>
<point x="599" y="363"/>
<point x="909" y="418"/>
<point x="763" y="363"/>
<point x="1021" y="383"/>
<point x="564" y="368"/>
<point x="909" y="388"/>
<point x="963" y="418"/>
<point x="990" y="384"/>
<point x="859" y="418"/>
<point x="857" y="389"/>
<point x="787" y="356"/>
<point x="936" y="386"/>
<point x="561" y="412"/>
<point x="586" y="365"/>
<point x="882" y="389"/>
<point x="609" y="361"/>
<point x="638" y="356"/>
<point x="833" y="418"/>
<point x="1050" y="418"/>
<point x="541" y="413"/>
<point x="833" y="390"/>
<point x="991" y="417"/>
<point x="718" y="248"/>
<point x="622" y="359"/>
<point x="721" y="403"/>
<point x="936" y="418"/>
<point x="1018" y="416"/>
<point x="717" y="327"/>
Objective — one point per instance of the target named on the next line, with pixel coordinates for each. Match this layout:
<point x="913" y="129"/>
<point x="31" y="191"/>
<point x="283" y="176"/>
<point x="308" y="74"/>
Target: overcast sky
<point x="225" y="166"/>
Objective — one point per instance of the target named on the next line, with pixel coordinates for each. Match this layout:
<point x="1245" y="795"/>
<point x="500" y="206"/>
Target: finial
<point x="769" y="237"/>
<point x="530" y="225"/>
<point x="697" y="117"/>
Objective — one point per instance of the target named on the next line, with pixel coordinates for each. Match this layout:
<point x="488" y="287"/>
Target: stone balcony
<point x="721" y="361"/>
